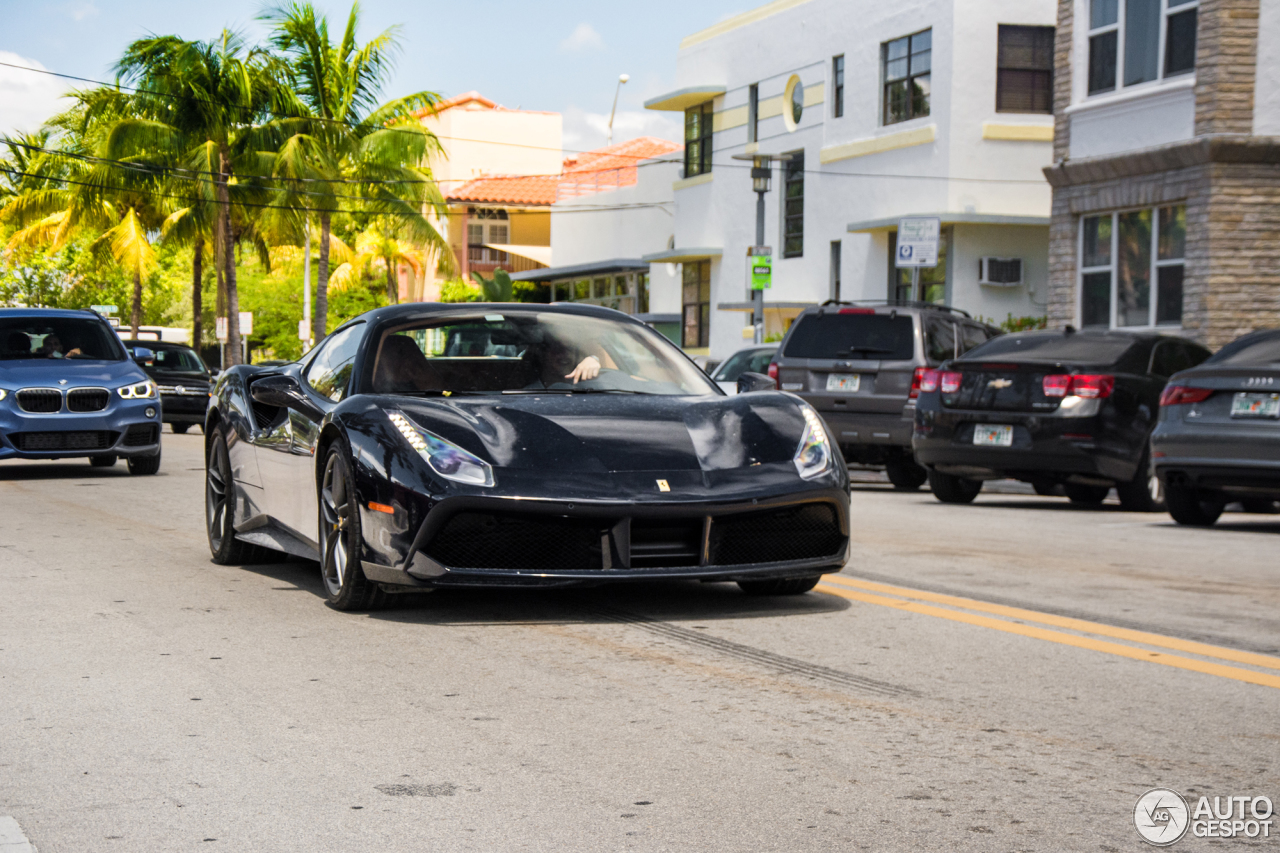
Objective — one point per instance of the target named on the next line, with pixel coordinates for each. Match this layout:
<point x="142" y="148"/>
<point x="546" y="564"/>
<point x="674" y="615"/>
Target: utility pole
<point x="622" y="78"/>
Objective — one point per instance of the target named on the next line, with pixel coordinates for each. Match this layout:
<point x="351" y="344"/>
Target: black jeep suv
<point x="859" y="365"/>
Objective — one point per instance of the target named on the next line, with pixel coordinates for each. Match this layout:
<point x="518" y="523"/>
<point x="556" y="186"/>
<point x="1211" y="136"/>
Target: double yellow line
<point x="1012" y="620"/>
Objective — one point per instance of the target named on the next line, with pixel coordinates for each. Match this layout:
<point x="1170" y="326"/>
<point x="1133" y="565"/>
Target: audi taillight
<point x="1092" y="386"/>
<point x="1177" y="395"/>
<point x="773" y="373"/>
<point x="924" y="380"/>
<point x="1056" y="386"/>
<point x="949" y="381"/>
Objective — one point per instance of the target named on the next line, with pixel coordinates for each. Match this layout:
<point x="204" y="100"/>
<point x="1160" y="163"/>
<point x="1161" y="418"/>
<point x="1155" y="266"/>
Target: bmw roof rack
<point x="898" y="303"/>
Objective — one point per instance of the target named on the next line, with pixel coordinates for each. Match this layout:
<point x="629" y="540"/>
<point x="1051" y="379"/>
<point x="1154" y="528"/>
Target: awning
<point x="616" y="265"/>
<point x="679" y="256"/>
<point x="681" y="99"/>
<point x="538" y="254"/>
<point x="890" y="223"/>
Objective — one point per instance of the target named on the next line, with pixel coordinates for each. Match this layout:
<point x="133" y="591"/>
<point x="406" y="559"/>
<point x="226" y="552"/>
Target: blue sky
<point x="564" y="56"/>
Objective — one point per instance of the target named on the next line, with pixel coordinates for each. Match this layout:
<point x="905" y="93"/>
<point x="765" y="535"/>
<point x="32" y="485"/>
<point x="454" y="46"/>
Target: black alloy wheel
<point x="104" y="460"/>
<point x="904" y="473"/>
<point x="345" y="584"/>
<point x="1194" y="507"/>
<point x="180" y="428"/>
<point x="953" y="490"/>
<point x="144" y="465"/>
<point x="1083" y="495"/>
<point x="780" y="586"/>
<point x="219" y="506"/>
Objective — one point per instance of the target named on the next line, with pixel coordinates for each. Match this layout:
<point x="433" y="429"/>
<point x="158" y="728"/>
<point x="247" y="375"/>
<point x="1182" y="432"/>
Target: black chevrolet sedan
<point x="1052" y="408"/>
<point x="509" y="445"/>
<point x="1218" y="438"/>
<point x="182" y="379"/>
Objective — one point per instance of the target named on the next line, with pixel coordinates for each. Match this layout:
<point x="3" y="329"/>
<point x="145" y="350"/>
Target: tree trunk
<point x="234" y="355"/>
<point x="322" y="282"/>
<point x="197" y="296"/>
<point x="135" y="316"/>
<point x="393" y="290"/>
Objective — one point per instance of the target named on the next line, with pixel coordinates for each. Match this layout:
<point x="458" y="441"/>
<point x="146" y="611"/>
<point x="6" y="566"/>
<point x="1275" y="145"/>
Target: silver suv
<point x="859" y="365"/>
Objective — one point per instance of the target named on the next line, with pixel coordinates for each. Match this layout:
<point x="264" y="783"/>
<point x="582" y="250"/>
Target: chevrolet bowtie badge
<point x="999" y="383"/>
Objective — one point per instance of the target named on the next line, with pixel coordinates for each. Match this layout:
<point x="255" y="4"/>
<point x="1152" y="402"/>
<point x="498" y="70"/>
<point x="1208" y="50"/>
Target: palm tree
<point x="375" y="245"/>
<point x="198" y="102"/>
<point x="81" y="193"/>
<point x="356" y="154"/>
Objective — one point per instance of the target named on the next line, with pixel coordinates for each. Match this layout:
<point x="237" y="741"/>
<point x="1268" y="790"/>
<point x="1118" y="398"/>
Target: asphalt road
<point x="1010" y="675"/>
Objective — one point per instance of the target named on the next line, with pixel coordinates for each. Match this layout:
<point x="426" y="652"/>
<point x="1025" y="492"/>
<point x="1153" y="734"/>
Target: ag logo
<point x="1161" y="816"/>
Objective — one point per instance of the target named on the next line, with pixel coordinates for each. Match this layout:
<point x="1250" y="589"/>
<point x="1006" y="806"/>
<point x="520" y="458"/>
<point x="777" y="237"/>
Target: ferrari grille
<point x="88" y="440"/>
<point x="537" y="543"/>
<point x="87" y="399"/>
<point x="40" y="401"/>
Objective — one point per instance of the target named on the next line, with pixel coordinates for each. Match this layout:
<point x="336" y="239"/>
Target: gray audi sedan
<point x="1218" y="437"/>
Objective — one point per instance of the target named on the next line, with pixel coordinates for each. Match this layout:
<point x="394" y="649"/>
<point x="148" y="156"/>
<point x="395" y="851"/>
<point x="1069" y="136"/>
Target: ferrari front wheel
<point x="345" y="585"/>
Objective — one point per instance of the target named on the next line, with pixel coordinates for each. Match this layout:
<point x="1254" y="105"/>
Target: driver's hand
<point x="588" y="368"/>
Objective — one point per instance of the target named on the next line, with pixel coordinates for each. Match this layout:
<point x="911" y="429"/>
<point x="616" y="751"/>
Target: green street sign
<point x="761" y="260"/>
<point x="104" y="309"/>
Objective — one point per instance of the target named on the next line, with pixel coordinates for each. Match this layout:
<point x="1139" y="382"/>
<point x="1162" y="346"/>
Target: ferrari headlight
<point x="446" y="459"/>
<point x="813" y="456"/>
<point x="140" y="391"/>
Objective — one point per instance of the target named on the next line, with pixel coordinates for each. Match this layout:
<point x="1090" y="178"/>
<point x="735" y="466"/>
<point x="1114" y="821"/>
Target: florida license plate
<point x="1245" y="405"/>
<point x="843" y="382"/>
<point x="993" y="436"/>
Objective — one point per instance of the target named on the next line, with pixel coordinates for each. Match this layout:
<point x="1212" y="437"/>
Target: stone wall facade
<point x="1229" y="182"/>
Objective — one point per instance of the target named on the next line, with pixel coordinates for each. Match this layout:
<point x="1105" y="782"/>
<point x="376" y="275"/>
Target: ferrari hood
<point x="48" y="372"/>
<point x="613" y="433"/>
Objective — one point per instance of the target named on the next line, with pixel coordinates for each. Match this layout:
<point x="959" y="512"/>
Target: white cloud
<point x="585" y="131"/>
<point x="27" y="98"/>
<point x="82" y="11"/>
<point x="583" y="37"/>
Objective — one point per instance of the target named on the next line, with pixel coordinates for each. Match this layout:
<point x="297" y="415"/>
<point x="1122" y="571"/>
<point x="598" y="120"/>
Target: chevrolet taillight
<point x="1056" y="386"/>
<point x="1092" y="386"/>
<point x="949" y="381"/>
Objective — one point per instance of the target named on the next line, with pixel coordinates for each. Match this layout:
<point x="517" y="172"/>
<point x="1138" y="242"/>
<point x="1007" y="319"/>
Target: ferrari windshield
<point x="57" y="337"/>
<point x="533" y="352"/>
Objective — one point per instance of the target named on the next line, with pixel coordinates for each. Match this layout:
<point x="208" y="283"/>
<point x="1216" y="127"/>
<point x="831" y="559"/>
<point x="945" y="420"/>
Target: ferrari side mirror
<point x="749" y="382"/>
<point x="275" y="391"/>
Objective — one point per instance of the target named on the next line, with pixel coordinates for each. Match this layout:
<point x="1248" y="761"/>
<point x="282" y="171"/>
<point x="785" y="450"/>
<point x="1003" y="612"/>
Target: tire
<point x="904" y="473"/>
<point x="226" y="549"/>
<point x="1193" y="507"/>
<point x="144" y="465"/>
<point x="1259" y="506"/>
<point x="1144" y="493"/>
<point x="105" y="460"/>
<point x="780" y="586"/>
<point x="180" y="428"/>
<point x="953" y="490"/>
<point x="1086" y="495"/>
<point x="345" y="585"/>
<point x="1046" y="489"/>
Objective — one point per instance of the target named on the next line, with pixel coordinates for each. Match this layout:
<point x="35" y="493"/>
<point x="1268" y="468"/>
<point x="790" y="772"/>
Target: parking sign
<point x="918" y="241"/>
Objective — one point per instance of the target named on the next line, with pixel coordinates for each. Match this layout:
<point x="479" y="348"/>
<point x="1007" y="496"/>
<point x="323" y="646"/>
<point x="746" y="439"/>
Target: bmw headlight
<point x="813" y="456"/>
<point x="139" y="391"/>
<point x="446" y="459"/>
<point x="3" y="393"/>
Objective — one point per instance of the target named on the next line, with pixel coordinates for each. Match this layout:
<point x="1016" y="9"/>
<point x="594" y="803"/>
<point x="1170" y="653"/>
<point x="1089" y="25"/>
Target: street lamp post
<point x="761" y="171"/>
<point x="622" y="78"/>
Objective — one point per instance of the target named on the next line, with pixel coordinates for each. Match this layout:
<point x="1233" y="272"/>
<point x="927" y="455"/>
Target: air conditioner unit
<point x="1000" y="272"/>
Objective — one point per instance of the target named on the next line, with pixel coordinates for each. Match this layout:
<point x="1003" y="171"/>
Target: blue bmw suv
<point x="69" y="388"/>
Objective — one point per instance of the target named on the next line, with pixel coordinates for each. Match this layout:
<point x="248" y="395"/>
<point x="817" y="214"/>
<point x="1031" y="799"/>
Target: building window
<point x="1024" y="70"/>
<point x="834" y="291"/>
<point x="837" y="86"/>
<point x="906" y="64"/>
<point x="1131" y="268"/>
<point x="793" y="207"/>
<point x="697" y="304"/>
<point x="1132" y="36"/>
<point x="487" y="226"/>
<point x="697" y="140"/>
<point x="933" y="280"/>
<point x="753" y="113"/>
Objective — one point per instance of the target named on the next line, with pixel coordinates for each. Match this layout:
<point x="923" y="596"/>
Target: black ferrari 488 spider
<point x="433" y="445"/>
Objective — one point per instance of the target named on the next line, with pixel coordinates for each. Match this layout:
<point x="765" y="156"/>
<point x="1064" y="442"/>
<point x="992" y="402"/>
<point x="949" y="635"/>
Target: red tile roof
<point x="468" y="98"/>
<point x="584" y="174"/>
<point x="508" y="189"/>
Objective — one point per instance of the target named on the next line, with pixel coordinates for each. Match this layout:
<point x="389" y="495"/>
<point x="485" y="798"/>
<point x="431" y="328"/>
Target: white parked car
<point x="752" y="359"/>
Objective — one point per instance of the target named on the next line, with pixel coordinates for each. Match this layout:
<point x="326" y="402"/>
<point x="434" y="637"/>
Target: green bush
<point x="1016" y="324"/>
